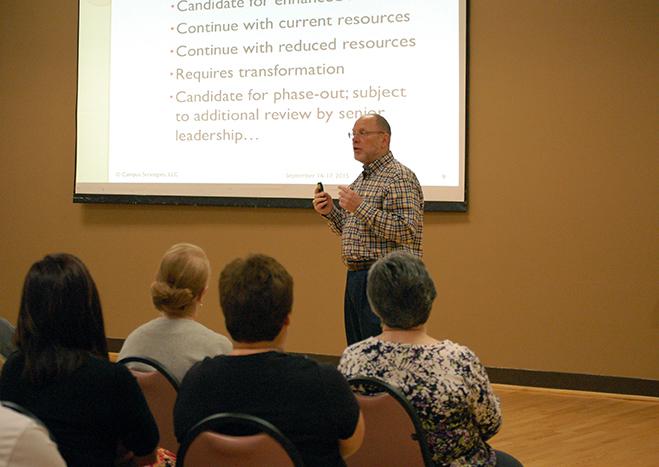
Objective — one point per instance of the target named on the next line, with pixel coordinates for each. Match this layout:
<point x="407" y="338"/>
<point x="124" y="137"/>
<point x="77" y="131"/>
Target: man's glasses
<point x="363" y="134"/>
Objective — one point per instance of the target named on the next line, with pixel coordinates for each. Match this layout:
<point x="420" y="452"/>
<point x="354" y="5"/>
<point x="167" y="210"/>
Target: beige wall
<point x="553" y="268"/>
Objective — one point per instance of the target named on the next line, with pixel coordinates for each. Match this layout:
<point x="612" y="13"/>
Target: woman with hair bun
<point x="176" y="339"/>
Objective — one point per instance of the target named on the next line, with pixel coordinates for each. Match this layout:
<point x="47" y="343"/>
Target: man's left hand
<point x="348" y="199"/>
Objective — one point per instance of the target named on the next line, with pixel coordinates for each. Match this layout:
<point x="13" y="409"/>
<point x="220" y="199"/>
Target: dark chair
<point x="206" y="444"/>
<point x="393" y="434"/>
<point x="160" y="389"/>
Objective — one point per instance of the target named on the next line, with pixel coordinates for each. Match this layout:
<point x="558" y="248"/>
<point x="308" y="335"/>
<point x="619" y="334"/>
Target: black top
<point x="310" y="403"/>
<point x="87" y="412"/>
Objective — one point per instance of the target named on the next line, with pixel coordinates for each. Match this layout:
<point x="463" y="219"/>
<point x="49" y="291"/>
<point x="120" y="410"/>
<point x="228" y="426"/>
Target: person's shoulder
<point x="144" y="329"/>
<point x="206" y="367"/>
<point x="400" y="171"/>
<point x="200" y="341"/>
<point x="457" y="351"/>
<point x="95" y="361"/>
<point x="205" y="331"/>
<point x="359" y="352"/>
<point x="293" y="361"/>
<point x="102" y="369"/>
<point x="101" y="366"/>
<point x="301" y="367"/>
<point x="27" y="440"/>
<point x="100" y="375"/>
<point x="316" y="376"/>
<point x="364" y="346"/>
<point x="13" y="419"/>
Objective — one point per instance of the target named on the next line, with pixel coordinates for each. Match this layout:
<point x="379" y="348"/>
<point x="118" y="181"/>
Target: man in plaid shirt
<point x="381" y="211"/>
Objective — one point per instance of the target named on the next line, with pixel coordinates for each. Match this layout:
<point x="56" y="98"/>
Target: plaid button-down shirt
<point x="389" y="218"/>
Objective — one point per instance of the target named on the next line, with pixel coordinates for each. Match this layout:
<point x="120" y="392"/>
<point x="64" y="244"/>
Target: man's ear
<point x="386" y="140"/>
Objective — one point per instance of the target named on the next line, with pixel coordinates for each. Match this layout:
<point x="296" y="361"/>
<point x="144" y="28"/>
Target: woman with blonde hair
<point x="176" y="339"/>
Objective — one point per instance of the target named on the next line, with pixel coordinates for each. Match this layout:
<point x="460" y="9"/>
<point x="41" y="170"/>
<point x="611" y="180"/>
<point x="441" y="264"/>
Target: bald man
<point x="381" y="211"/>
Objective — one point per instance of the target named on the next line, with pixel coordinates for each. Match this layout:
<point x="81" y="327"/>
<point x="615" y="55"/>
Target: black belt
<point x="359" y="265"/>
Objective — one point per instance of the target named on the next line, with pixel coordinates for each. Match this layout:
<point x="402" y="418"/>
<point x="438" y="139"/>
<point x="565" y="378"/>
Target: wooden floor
<point x="555" y="428"/>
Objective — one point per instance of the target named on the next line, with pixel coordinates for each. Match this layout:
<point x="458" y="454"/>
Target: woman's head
<point x="400" y="290"/>
<point x="60" y="315"/>
<point x="256" y="296"/>
<point x="181" y="280"/>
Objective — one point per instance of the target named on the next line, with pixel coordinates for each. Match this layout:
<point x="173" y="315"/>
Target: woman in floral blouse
<point x="444" y="381"/>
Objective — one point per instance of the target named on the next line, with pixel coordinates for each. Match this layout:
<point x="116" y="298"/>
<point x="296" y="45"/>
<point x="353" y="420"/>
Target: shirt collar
<point x="375" y="165"/>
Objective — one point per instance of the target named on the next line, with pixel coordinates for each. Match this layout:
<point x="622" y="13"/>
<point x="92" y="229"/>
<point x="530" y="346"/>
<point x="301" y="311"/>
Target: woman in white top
<point x="25" y="443"/>
<point x="176" y="339"/>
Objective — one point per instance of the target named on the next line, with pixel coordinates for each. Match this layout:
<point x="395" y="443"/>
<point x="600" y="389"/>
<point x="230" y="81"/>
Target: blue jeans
<point x="360" y="322"/>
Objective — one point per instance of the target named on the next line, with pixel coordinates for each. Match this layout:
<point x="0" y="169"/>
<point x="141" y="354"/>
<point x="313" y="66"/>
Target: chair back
<point x="393" y="435"/>
<point x="205" y="444"/>
<point x="160" y="389"/>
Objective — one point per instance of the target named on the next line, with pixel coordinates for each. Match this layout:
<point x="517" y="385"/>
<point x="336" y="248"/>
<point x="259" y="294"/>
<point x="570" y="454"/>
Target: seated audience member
<point x="6" y="338"/>
<point x="443" y="380"/>
<point x="176" y="339"/>
<point x="61" y="372"/>
<point x="25" y="443"/>
<point x="310" y="403"/>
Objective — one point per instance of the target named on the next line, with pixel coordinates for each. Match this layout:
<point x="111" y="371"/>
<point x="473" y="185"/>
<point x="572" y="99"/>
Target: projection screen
<point x="250" y="102"/>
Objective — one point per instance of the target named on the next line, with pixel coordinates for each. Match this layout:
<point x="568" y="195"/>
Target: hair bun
<point x="170" y="299"/>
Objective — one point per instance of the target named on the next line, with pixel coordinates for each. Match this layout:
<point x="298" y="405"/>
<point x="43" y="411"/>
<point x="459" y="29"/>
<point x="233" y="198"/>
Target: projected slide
<point x="255" y="98"/>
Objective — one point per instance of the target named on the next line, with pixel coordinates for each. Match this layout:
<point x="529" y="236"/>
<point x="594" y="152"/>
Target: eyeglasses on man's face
<point x="363" y="133"/>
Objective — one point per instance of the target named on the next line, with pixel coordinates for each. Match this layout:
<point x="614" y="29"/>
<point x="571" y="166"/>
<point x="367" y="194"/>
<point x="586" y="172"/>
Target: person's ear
<point x="386" y="138"/>
<point x="202" y="293"/>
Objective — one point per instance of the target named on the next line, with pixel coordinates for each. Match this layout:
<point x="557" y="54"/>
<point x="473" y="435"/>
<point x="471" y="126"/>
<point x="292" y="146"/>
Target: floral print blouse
<point x="447" y="385"/>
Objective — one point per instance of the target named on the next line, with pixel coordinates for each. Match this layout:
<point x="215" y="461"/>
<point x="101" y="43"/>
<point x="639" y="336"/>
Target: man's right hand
<point x="322" y="202"/>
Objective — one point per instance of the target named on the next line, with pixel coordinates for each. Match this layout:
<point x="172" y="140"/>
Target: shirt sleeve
<point x="137" y="428"/>
<point x="484" y="404"/>
<point x="343" y="408"/>
<point x="401" y="213"/>
<point x="336" y="219"/>
<point x="34" y="447"/>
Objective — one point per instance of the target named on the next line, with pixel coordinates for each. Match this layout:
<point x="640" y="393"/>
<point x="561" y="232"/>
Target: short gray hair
<point x="400" y="290"/>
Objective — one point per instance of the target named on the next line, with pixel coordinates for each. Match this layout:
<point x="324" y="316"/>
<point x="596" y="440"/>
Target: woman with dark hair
<point x="61" y="372"/>
<point x="444" y="381"/>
